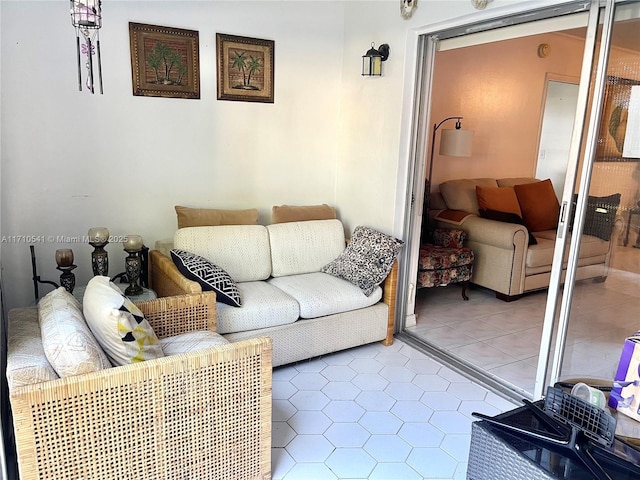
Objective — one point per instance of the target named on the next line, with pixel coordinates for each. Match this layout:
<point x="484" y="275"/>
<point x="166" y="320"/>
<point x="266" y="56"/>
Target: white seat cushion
<point x="240" y="250"/>
<point x="191" y="341"/>
<point x="263" y="305"/>
<point x="320" y="294"/>
<point x="304" y="247"/>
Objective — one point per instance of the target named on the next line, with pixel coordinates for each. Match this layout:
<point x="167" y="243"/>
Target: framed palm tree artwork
<point x="245" y="68"/>
<point x="165" y="61"/>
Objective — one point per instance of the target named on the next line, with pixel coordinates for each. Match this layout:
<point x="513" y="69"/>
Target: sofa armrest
<point x="165" y="278"/>
<point x="202" y="414"/>
<point x="389" y="287"/>
<point x="500" y="251"/>
<point x="169" y="316"/>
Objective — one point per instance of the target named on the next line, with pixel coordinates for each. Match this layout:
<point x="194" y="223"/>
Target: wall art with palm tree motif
<point x="165" y="61"/>
<point x="245" y="68"/>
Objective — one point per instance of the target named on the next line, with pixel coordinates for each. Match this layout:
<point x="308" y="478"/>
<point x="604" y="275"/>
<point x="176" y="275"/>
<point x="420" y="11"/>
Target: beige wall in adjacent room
<point x="499" y="90"/>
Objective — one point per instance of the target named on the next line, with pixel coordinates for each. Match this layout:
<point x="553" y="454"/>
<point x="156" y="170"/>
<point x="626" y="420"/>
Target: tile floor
<point x="375" y="412"/>
<point x="504" y="338"/>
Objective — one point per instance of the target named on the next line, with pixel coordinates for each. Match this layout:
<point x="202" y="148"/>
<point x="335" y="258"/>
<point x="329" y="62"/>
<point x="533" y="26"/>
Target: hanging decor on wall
<point x="245" y="68"/>
<point x="614" y="123"/>
<point x="86" y="17"/>
<point x="164" y="61"/>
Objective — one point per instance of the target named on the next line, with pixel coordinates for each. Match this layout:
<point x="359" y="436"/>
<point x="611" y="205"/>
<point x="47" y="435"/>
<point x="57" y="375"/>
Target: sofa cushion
<point x="26" y="362"/>
<point x="461" y="194"/>
<point x="542" y="254"/>
<point x="118" y="325"/>
<point x="242" y="251"/>
<point x="507" y="218"/>
<point x="539" y="204"/>
<point x="367" y="260"/>
<point x="501" y="199"/>
<point x="600" y="217"/>
<point x="208" y="275"/>
<point x="67" y="341"/>
<point x="263" y="305"/>
<point x="304" y="247"/>
<point x="200" y="217"/>
<point x="191" y="341"/>
<point x="294" y="213"/>
<point x="320" y="294"/>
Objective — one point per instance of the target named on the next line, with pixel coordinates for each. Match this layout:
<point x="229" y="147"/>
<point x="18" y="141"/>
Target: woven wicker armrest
<point x="169" y="316"/>
<point x="166" y="279"/>
<point x="199" y="415"/>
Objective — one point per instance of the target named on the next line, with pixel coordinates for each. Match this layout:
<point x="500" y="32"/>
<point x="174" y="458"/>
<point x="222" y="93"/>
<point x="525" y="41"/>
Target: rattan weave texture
<point x="200" y="415"/>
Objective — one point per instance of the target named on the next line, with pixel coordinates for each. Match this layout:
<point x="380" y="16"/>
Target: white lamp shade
<point x="456" y="142"/>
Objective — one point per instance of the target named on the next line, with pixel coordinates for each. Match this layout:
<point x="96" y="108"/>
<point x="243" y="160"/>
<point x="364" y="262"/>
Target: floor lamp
<point x="453" y="143"/>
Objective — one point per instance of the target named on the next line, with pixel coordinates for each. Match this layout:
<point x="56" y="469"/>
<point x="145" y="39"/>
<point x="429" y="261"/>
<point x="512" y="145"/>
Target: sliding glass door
<point x="576" y="327"/>
<point x="595" y="317"/>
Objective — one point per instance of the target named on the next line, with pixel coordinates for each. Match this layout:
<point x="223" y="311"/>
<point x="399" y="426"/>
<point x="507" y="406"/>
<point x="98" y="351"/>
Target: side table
<point x="632" y="212"/>
<point x="147" y="294"/>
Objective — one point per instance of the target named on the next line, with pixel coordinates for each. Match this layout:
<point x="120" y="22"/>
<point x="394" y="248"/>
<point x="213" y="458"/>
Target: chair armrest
<point x="389" y="287"/>
<point x="200" y="414"/>
<point x="169" y="316"/>
<point x="166" y="280"/>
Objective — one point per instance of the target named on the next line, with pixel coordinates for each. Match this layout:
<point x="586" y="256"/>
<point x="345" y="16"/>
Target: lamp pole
<point x="436" y="126"/>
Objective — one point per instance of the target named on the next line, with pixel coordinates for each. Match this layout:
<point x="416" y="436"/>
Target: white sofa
<point x="504" y="260"/>
<point x="284" y="294"/>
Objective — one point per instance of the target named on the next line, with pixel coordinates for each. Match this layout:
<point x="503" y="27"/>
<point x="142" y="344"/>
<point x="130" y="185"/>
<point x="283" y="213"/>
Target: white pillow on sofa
<point x="66" y="339"/>
<point x="118" y="325"/>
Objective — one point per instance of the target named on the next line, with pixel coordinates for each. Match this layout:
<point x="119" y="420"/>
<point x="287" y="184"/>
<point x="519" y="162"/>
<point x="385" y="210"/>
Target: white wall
<point x="73" y="160"/>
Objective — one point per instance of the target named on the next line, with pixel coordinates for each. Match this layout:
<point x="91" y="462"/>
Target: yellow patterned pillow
<point x="118" y="325"/>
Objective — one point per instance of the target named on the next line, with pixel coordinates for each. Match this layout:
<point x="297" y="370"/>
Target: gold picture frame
<point x="614" y="120"/>
<point x="245" y="68"/>
<point x="165" y="61"/>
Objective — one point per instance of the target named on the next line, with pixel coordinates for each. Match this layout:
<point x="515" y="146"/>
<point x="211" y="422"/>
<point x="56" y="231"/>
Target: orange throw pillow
<point x="539" y="204"/>
<point x="501" y="199"/>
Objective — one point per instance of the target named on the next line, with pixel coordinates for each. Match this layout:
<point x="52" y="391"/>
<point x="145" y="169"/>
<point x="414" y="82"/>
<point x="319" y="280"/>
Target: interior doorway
<point x="558" y="115"/>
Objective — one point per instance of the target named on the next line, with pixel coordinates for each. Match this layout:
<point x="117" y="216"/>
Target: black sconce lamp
<point x="372" y="60"/>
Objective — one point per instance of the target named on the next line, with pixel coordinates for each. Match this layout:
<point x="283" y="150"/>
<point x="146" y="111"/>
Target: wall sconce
<point x="372" y="60"/>
<point x="453" y="143"/>
<point x="86" y="17"/>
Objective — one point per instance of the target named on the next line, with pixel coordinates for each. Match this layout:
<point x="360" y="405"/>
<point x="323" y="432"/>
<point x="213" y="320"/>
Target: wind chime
<point x="86" y="17"/>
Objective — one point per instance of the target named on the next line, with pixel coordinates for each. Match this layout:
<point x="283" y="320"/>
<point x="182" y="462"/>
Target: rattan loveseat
<point x="200" y="415"/>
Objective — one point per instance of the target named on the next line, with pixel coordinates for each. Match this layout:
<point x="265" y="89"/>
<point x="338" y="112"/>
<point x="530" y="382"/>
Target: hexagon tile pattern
<point x="377" y="413"/>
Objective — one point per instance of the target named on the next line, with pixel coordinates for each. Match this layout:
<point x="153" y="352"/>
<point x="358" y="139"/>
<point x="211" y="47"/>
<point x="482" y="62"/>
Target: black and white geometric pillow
<point x="211" y="277"/>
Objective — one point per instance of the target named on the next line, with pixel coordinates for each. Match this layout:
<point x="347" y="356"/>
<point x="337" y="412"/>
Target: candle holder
<point x="98" y="239"/>
<point x="133" y="264"/>
<point x="64" y="259"/>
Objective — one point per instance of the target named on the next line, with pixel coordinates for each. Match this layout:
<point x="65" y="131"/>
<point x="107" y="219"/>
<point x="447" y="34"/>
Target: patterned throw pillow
<point x="210" y="277"/>
<point x="67" y="341"/>
<point x="118" y="325"/>
<point x="367" y="260"/>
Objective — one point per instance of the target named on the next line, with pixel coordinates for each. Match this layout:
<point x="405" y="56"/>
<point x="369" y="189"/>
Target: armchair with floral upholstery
<point x="444" y="260"/>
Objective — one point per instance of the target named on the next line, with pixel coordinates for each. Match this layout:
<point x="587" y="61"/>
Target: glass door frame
<point x="417" y="120"/>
